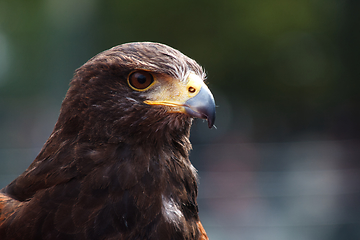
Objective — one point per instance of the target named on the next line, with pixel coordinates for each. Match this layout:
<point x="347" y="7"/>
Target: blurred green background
<point x="284" y="161"/>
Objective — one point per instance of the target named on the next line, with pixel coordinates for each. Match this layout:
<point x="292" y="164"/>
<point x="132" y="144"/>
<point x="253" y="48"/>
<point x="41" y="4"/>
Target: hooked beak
<point x="202" y="106"/>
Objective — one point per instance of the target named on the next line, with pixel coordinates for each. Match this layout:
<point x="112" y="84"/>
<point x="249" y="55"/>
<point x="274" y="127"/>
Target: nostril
<point x="192" y="89"/>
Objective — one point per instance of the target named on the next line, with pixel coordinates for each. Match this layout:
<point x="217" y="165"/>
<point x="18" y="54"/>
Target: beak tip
<point x="211" y="121"/>
<point x="209" y="114"/>
<point x="202" y="106"/>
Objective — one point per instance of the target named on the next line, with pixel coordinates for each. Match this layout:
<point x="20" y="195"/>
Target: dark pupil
<point x="141" y="79"/>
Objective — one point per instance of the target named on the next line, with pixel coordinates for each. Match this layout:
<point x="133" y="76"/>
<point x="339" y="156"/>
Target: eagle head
<point x="135" y="90"/>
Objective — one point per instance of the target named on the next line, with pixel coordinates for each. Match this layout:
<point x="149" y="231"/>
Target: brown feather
<point x="114" y="167"/>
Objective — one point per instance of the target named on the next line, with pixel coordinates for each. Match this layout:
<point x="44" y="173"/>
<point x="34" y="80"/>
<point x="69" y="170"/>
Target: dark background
<point x="283" y="162"/>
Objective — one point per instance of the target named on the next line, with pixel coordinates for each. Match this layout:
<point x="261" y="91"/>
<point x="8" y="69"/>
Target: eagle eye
<point x="140" y="80"/>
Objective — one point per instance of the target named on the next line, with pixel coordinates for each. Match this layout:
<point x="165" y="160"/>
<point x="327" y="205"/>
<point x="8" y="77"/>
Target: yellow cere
<point x="174" y="93"/>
